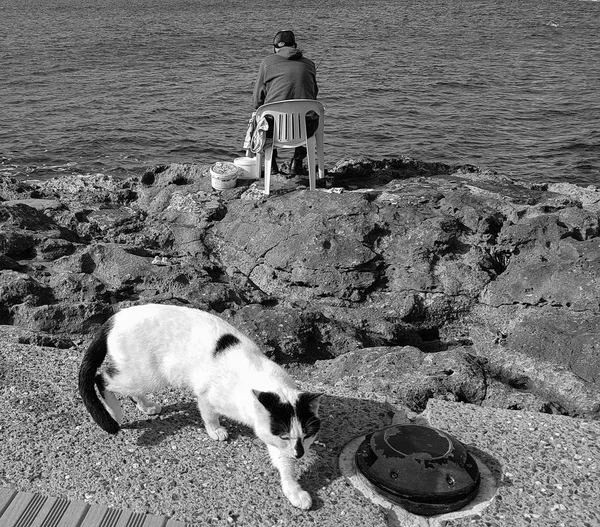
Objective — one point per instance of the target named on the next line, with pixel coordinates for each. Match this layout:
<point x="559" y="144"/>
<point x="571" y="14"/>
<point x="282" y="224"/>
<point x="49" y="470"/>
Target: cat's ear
<point x="312" y="400"/>
<point x="268" y="399"/>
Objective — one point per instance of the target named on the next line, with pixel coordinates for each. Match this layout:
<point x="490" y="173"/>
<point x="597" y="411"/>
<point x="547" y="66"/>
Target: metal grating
<point x="27" y="509"/>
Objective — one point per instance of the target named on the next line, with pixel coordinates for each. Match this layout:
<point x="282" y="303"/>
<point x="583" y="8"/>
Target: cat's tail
<point x="89" y="378"/>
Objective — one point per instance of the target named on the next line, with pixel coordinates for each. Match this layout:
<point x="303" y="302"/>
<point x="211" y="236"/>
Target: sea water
<point x="115" y="86"/>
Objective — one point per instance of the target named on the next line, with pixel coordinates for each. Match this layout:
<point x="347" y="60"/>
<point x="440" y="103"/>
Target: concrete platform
<point x="27" y="509"/>
<point x="546" y="466"/>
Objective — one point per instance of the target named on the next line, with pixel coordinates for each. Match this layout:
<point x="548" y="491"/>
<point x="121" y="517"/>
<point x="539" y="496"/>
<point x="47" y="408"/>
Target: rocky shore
<point x="409" y="279"/>
<point x="397" y="287"/>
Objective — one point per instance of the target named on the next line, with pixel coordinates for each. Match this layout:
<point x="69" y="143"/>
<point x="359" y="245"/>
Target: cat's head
<point x="290" y="426"/>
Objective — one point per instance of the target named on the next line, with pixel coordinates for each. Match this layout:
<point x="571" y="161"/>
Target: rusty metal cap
<point x="425" y="470"/>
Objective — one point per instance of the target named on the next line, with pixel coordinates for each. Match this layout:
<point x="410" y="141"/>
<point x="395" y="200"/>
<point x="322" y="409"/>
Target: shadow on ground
<point x="175" y="417"/>
<point x="342" y="419"/>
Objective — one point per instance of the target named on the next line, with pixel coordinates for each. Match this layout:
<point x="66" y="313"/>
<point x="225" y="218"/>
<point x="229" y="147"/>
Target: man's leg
<point x="296" y="168"/>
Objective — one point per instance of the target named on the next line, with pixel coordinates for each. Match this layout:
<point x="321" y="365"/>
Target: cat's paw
<point x="153" y="409"/>
<point x="146" y="406"/>
<point x="218" y="434"/>
<point x="299" y="498"/>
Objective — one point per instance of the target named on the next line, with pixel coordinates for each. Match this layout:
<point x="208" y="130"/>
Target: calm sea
<point x="115" y="86"/>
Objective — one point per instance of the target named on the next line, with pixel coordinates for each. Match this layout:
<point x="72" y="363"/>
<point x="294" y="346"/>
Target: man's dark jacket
<point x="285" y="75"/>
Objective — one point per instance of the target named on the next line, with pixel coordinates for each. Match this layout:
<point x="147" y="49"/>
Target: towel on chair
<point x="248" y="139"/>
<point x="256" y="134"/>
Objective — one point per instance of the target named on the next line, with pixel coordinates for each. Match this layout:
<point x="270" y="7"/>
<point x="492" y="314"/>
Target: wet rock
<point x="380" y="172"/>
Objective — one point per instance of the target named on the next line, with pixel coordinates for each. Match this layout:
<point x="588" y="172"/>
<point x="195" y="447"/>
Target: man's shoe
<point x="296" y="168"/>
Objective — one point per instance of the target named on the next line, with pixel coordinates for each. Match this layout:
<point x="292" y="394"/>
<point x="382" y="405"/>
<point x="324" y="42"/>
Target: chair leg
<point x="268" y="161"/>
<point x="320" y="153"/>
<point x="259" y="162"/>
<point x="310" y="148"/>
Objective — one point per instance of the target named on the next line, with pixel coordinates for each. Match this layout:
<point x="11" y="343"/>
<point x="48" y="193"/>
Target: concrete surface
<point x="164" y="465"/>
<point x="546" y="467"/>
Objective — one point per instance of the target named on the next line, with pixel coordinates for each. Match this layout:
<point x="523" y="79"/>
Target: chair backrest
<point x="289" y="119"/>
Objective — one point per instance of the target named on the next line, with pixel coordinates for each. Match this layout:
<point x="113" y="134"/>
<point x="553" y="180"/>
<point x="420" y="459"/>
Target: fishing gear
<point x="322" y="58"/>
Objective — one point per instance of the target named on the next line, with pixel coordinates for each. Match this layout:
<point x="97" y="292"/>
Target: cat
<point x="144" y="348"/>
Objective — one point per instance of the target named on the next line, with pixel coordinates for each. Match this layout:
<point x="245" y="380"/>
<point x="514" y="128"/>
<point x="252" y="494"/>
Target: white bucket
<point x="248" y="167"/>
<point x="224" y="175"/>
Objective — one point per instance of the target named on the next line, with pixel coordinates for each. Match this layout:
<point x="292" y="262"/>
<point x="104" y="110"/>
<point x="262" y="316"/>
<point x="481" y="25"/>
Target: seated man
<point x="287" y="74"/>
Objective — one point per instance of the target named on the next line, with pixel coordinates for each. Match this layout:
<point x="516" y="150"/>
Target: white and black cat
<point x="144" y="348"/>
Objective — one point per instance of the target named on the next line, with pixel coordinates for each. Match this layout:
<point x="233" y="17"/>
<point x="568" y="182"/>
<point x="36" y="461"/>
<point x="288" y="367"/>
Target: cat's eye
<point x="285" y="437"/>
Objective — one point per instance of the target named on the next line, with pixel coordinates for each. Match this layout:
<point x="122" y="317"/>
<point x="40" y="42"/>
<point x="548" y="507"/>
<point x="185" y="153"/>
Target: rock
<point x="552" y="382"/>
<point x="19" y="288"/>
<point x="545" y="304"/>
<point x="43" y="205"/>
<point x="46" y="340"/>
<point x="8" y="263"/>
<point x="407" y="376"/>
<point x="295" y="335"/>
<point x="566" y="338"/>
<point x="62" y="318"/>
<point x="503" y="395"/>
<point x="111" y="264"/>
<point x="54" y="248"/>
<point x="589" y="197"/>
<point x="23" y="228"/>
<point x="564" y="274"/>
<point x="299" y="259"/>
<point x="75" y="190"/>
<point x="386" y="170"/>
<point x="433" y="263"/>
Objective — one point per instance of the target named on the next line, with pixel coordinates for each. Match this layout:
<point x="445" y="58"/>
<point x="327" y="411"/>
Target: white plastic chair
<point x="289" y="131"/>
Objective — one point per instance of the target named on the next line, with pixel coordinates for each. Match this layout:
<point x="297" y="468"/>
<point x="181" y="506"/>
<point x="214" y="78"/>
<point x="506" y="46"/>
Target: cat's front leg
<point x="211" y="420"/>
<point x="291" y="488"/>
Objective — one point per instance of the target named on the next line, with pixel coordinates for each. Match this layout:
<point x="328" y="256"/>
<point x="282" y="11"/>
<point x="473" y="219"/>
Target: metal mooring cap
<point x="423" y="469"/>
